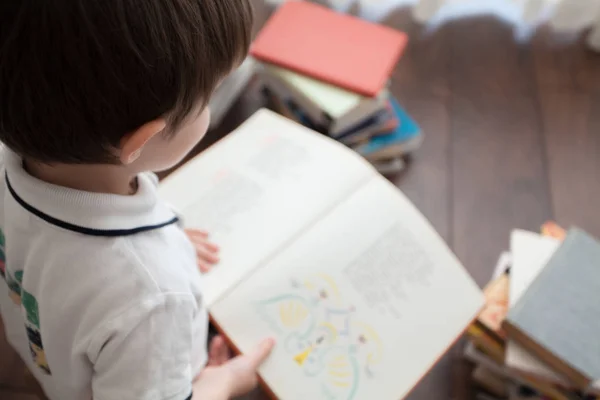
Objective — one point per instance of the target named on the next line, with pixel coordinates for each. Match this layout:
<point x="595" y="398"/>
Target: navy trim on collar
<point x="82" y="229"/>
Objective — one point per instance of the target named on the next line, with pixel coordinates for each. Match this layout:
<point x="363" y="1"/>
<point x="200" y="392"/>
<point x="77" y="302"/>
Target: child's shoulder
<point x="111" y="275"/>
<point x="165" y="257"/>
<point x="125" y="279"/>
<point x="141" y="265"/>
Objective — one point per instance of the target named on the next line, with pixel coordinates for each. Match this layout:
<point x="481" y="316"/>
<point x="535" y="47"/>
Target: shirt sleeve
<point x="147" y="354"/>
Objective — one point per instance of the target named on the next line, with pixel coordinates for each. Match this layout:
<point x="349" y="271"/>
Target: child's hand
<point x="218" y="352"/>
<point x="243" y="369"/>
<point x="207" y="253"/>
<point x="233" y="378"/>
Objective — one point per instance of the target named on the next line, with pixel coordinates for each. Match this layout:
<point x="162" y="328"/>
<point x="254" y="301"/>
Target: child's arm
<point x="236" y="377"/>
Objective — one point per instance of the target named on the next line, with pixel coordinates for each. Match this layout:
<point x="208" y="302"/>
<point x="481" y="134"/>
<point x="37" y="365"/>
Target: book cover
<point x="340" y="110"/>
<point x="496" y="305"/>
<point x="336" y="48"/>
<point x="290" y="110"/>
<point x="333" y="100"/>
<point x="480" y="358"/>
<point x="482" y="331"/>
<point x="556" y="318"/>
<point x="381" y="123"/>
<point x="404" y="139"/>
<point x="490" y="381"/>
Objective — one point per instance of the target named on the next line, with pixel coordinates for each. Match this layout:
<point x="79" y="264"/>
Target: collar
<point x="95" y="214"/>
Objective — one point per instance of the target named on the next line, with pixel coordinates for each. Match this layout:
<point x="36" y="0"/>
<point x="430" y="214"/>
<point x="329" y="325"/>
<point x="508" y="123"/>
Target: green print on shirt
<point x="32" y="325"/>
<point x="29" y="305"/>
<point x="36" y="346"/>
<point x="31" y="309"/>
<point x="14" y="285"/>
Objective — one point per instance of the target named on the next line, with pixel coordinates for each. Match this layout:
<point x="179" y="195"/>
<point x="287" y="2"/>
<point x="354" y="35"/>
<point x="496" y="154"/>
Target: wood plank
<point x="569" y="112"/>
<point x="564" y="61"/>
<point x="426" y="181"/>
<point x="425" y="65"/>
<point x="556" y="63"/>
<point x="421" y="84"/>
<point x="498" y="161"/>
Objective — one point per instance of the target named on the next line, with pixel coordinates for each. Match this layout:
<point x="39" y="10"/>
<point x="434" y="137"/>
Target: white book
<point x="324" y="254"/>
<point x="530" y="253"/>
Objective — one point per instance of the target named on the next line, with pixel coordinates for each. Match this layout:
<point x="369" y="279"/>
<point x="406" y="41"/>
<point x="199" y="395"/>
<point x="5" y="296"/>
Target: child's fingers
<point x="260" y="354"/>
<point x="197" y="233"/>
<point x="202" y="242"/>
<point x="206" y="255"/>
<point x="219" y="353"/>
<point x="212" y="353"/>
<point x="211" y="247"/>
<point x="203" y="267"/>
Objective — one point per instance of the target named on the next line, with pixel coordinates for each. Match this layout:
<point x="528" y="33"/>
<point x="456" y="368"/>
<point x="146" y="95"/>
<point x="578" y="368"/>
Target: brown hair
<point x="76" y="76"/>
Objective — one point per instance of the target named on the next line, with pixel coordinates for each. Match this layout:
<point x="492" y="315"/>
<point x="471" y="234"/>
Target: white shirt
<point x="101" y="295"/>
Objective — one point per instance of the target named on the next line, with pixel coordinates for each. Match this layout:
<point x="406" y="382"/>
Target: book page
<point x="530" y="252"/>
<point x="260" y="187"/>
<point x="362" y="305"/>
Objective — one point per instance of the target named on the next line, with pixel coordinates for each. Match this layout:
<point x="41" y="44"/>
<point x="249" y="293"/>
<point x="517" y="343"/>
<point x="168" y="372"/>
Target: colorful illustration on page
<point x="323" y="336"/>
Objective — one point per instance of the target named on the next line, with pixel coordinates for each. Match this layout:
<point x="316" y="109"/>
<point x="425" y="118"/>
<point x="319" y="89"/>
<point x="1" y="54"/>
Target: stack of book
<point x="537" y="336"/>
<point x="331" y="72"/>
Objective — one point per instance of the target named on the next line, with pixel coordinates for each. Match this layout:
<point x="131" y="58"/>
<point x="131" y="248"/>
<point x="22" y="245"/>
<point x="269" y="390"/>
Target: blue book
<point x="406" y="138"/>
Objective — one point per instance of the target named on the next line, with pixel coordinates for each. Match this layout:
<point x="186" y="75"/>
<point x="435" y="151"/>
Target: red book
<point x="336" y="48"/>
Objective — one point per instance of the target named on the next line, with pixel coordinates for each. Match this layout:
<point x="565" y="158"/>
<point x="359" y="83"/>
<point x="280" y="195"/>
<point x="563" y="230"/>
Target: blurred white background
<point x="568" y="17"/>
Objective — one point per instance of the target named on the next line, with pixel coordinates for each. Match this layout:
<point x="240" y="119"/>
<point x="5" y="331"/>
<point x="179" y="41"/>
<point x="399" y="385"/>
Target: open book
<point x="322" y="253"/>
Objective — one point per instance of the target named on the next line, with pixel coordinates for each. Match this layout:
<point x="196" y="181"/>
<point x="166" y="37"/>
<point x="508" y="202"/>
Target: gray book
<point x="558" y="318"/>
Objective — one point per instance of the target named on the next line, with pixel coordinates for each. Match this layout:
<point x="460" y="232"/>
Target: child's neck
<point x="113" y="179"/>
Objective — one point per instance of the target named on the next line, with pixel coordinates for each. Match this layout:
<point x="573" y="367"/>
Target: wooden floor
<point x="512" y="139"/>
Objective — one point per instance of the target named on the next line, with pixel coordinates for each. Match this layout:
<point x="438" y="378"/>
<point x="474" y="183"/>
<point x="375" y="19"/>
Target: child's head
<point x="114" y="81"/>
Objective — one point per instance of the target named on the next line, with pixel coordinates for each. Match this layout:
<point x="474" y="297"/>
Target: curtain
<point x="569" y="16"/>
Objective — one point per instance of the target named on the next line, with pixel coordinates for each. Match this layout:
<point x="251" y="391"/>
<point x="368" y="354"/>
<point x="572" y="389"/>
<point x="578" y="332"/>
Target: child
<point x="101" y="294"/>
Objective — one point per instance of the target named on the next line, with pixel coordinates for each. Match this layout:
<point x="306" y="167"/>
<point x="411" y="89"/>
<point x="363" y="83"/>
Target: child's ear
<point x="133" y="143"/>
